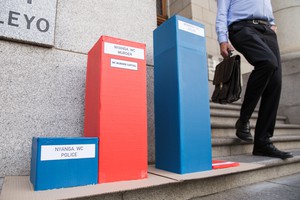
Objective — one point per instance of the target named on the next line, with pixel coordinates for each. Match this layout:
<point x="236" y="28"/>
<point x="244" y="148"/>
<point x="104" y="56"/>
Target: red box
<point x="116" y="108"/>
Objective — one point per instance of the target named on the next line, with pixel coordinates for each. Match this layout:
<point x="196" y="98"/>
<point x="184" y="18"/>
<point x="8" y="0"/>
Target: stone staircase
<point x="166" y="185"/>
<point x="225" y="143"/>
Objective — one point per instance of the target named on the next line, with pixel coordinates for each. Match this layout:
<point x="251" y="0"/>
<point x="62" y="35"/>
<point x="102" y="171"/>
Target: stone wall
<point x="181" y="7"/>
<point x="42" y="89"/>
<point x="287" y="14"/>
<point x="290" y="102"/>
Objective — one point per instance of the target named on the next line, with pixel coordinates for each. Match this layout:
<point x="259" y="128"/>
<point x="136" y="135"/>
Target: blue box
<point x="63" y="162"/>
<point x="181" y="97"/>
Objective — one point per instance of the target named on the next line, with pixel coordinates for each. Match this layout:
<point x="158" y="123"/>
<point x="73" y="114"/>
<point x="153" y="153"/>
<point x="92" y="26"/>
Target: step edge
<point x="232" y="125"/>
<point x="254" y="116"/>
<point x="224" y="141"/>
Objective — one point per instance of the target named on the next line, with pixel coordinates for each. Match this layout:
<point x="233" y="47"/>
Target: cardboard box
<point x="63" y="162"/>
<point x="116" y="108"/>
<point x="182" y="112"/>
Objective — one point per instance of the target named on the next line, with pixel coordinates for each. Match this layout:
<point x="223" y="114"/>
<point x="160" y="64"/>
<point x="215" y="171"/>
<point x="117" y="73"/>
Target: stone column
<point x="287" y="14"/>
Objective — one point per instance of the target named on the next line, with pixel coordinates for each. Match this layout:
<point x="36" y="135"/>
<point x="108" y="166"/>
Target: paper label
<point x="126" y="51"/>
<point x="64" y="152"/>
<point x="191" y="28"/>
<point x="123" y="64"/>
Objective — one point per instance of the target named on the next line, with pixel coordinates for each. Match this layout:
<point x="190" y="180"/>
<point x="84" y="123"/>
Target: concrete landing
<point x="205" y="174"/>
<point x="19" y="187"/>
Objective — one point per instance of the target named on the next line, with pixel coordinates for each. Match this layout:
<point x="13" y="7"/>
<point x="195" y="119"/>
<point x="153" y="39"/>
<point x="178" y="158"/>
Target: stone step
<point x="231" y="116"/>
<point x="232" y="146"/>
<point x="233" y="106"/>
<point x="267" y="161"/>
<point x="220" y="129"/>
<point x="230" y="113"/>
<point x="166" y="185"/>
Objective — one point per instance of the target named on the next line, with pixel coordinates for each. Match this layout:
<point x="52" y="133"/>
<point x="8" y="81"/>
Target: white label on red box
<point x="191" y="28"/>
<point x="123" y="64"/>
<point x="64" y="152"/>
<point x="126" y="51"/>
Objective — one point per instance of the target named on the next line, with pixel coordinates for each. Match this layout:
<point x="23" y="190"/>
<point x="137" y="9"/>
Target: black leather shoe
<point x="243" y="131"/>
<point x="271" y="151"/>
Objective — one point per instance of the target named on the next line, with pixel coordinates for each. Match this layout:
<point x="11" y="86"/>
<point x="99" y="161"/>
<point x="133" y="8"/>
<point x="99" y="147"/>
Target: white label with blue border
<point x="191" y="28"/>
<point x="64" y="152"/>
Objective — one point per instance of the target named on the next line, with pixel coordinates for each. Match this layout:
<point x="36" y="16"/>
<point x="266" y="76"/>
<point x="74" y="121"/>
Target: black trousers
<point x="258" y="43"/>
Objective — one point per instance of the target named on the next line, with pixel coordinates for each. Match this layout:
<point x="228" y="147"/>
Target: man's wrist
<point x="222" y="38"/>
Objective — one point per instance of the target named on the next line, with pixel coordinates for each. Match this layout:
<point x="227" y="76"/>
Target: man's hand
<point x="274" y="28"/>
<point x="225" y="48"/>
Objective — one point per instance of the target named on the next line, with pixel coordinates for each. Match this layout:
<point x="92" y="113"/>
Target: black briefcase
<point x="227" y="81"/>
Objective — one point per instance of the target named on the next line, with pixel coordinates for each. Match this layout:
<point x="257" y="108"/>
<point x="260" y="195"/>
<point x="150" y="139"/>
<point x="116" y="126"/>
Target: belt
<point x="258" y="21"/>
<point x="252" y="21"/>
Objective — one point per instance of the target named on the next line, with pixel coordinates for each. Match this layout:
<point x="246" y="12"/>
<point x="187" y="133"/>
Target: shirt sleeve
<point x="221" y="20"/>
<point x="272" y="21"/>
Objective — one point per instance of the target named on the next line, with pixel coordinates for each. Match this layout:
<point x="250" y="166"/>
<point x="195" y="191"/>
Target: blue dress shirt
<point x="230" y="11"/>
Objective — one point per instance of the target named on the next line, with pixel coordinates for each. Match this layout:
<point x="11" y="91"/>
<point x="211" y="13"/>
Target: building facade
<point x="42" y="83"/>
<point x="43" y="56"/>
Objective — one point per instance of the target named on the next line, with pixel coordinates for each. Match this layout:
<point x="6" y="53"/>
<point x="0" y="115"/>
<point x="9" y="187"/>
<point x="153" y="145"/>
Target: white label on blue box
<point x="126" y="51"/>
<point x="191" y="28"/>
<point x="64" y="152"/>
<point x="123" y="64"/>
